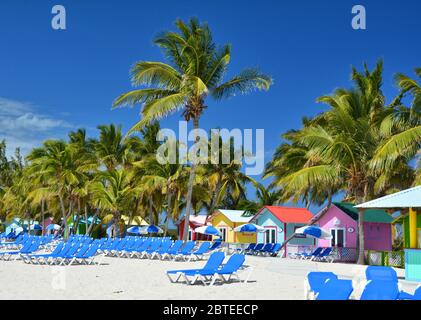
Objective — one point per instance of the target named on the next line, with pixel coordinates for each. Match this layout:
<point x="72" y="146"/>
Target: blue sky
<point x="55" y="81"/>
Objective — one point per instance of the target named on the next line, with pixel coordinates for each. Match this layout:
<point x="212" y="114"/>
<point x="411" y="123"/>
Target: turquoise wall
<point x="267" y="219"/>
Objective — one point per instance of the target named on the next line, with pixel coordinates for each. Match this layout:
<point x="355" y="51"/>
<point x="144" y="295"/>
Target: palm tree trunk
<point x="151" y="215"/>
<point x="215" y="197"/>
<point x="190" y="190"/>
<point x="42" y="215"/>
<point x="360" y="243"/>
<point x="169" y="198"/>
<point x="63" y="213"/>
<point x="93" y="222"/>
<point x="86" y="219"/>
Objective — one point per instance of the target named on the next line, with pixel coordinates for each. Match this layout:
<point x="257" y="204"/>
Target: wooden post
<point x="360" y="246"/>
<point x="412" y="228"/>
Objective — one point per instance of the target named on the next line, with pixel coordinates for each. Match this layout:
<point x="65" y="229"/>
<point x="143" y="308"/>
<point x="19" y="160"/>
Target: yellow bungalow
<point x="226" y="220"/>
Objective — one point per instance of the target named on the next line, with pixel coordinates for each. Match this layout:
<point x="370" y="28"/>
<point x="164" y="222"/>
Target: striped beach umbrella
<point x="36" y="227"/>
<point x="314" y="232"/>
<point x="151" y="229"/>
<point x="249" y="227"/>
<point x="134" y="229"/>
<point x="209" y="230"/>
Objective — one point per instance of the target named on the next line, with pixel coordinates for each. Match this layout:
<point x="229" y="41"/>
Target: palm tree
<point x="57" y="162"/>
<point x="341" y="146"/>
<point x="195" y="71"/>
<point x="112" y="149"/>
<point x="264" y="197"/>
<point x="402" y="129"/>
<point x="113" y="193"/>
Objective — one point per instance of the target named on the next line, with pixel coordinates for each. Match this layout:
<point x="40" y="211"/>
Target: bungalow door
<point x="338" y="237"/>
<point x="224" y="233"/>
<point x="270" y="235"/>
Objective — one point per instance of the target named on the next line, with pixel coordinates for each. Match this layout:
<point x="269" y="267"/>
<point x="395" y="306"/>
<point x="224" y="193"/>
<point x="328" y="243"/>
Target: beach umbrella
<point x="151" y="229"/>
<point x="209" y="230"/>
<point x="314" y="232"/>
<point x="36" y="227"/>
<point x="14" y="225"/>
<point x="53" y="226"/>
<point x="134" y="229"/>
<point x="249" y="227"/>
<point x="19" y="230"/>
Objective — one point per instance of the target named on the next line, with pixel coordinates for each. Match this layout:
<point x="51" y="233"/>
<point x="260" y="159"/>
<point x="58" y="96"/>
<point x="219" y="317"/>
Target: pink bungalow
<point x="341" y="220"/>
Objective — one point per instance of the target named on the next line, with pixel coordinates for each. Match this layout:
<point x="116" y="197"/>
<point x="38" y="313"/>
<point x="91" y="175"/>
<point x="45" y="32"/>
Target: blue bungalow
<point x="280" y="223"/>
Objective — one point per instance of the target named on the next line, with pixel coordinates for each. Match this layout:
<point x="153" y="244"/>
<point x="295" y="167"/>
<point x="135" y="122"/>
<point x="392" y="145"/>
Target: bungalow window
<point x="270" y="235"/>
<point x="338" y="237"/>
<point x="190" y="234"/>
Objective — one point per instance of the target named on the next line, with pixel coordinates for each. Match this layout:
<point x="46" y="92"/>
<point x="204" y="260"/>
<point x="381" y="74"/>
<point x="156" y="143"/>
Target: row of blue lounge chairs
<point x="268" y="249"/>
<point x="319" y="254"/>
<point x="77" y="251"/>
<point x="381" y="284"/>
<point x="24" y="245"/>
<point x="83" y="249"/>
<point x="213" y="270"/>
<point x="157" y="248"/>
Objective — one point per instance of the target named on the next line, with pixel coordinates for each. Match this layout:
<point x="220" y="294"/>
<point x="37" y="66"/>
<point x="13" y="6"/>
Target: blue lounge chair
<point x="83" y="257"/>
<point x="408" y="296"/>
<point x="200" y="252"/>
<point x="214" y="262"/>
<point x="306" y="256"/>
<point x="266" y="248"/>
<point x="153" y="247"/>
<point x="215" y="246"/>
<point x="335" y="289"/>
<point x="381" y="273"/>
<point x="47" y="258"/>
<point x="62" y="255"/>
<point x="163" y="249"/>
<point x="186" y="250"/>
<point x="31" y="258"/>
<point x="315" y="281"/>
<point x="139" y="249"/>
<point x="28" y="248"/>
<point x="250" y="247"/>
<point x="229" y="270"/>
<point x="275" y="250"/>
<point x="380" y="290"/>
<point x="256" y="249"/>
<point x="173" y="250"/>
<point x="326" y="255"/>
<point x="79" y="253"/>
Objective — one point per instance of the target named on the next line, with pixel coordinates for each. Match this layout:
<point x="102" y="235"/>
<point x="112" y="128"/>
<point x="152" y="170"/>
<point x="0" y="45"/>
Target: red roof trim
<point x="301" y="215"/>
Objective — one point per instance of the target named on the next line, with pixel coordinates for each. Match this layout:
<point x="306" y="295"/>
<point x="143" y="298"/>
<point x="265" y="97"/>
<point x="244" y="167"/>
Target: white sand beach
<point x="118" y="278"/>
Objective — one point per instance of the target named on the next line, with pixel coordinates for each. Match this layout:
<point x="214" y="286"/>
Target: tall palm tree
<point x="195" y="71"/>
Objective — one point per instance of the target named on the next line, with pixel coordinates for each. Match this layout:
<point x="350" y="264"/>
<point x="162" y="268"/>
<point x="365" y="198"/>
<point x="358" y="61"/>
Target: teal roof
<point x="370" y="215"/>
<point x="409" y="198"/>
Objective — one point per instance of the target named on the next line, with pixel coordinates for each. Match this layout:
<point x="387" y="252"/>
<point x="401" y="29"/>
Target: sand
<point x="119" y="278"/>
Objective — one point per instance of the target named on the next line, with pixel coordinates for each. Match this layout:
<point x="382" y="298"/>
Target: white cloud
<point x="22" y="126"/>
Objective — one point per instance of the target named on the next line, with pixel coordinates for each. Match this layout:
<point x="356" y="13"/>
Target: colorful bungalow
<point x="226" y="220"/>
<point x="408" y="202"/>
<point x="280" y="223"/>
<point x="341" y="220"/>
<point x="195" y="222"/>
